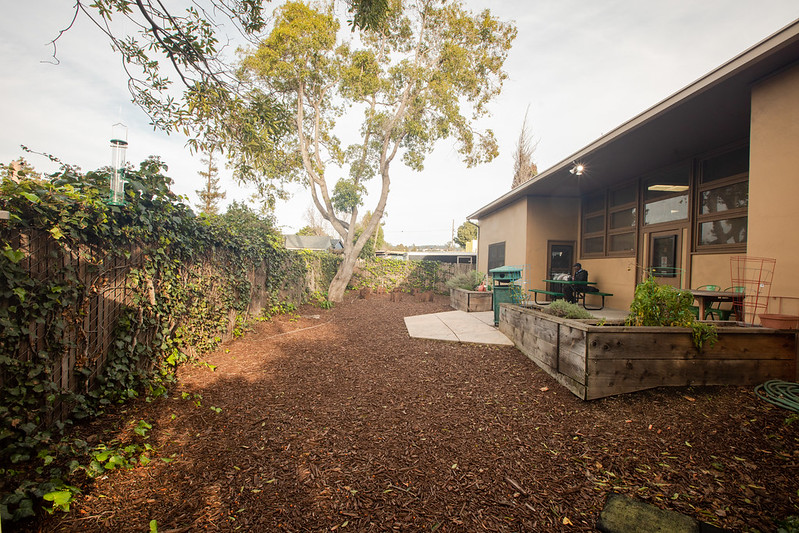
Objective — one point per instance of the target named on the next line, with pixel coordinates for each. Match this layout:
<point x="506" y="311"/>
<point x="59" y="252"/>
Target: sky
<point x="581" y="67"/>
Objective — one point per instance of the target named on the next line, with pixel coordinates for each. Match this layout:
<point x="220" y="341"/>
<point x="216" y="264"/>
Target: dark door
<point x="664" y="257"/>
<point x="560" y="258"/>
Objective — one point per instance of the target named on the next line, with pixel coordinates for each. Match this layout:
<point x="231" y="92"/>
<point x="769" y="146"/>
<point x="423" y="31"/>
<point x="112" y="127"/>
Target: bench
<point x="597" y="293"/>
<point x="536" y="292"/>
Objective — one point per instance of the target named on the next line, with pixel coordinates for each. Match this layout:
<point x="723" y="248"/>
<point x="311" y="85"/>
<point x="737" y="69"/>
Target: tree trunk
<point x="335" y="293"/>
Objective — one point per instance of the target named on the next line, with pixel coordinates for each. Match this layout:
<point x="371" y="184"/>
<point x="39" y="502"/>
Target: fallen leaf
<point x="567" y="522"/>
<point x="689" y="398"/>
<point x="544" y="389"/>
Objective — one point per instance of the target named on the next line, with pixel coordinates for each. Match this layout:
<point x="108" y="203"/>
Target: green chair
<point x="722" y="313"/>
<point x="695" y="309"/>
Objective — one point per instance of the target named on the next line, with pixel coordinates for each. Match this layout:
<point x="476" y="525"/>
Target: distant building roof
<point x="312" y="242"/>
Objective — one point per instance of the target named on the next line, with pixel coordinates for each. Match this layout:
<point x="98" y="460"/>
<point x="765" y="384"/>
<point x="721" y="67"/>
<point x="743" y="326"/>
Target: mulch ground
<point x="337" y="421"/>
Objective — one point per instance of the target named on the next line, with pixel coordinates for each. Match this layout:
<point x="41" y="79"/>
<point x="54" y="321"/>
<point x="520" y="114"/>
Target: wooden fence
<point x="75" y="341"/>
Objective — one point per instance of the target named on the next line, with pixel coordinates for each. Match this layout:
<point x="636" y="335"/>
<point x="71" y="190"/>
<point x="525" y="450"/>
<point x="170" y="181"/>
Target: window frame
<point x="703" y="218"/>
<point x="607" y="212"/>
<point x="584" y="236"/>
<point x="612" y="209"/>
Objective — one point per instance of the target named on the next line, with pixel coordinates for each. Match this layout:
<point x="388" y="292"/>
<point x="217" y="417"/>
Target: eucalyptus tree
<point x="179" y="73"/>
<point x="426" y="74"/>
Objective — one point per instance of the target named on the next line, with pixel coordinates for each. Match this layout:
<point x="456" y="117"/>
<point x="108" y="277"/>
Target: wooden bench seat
<point x="536" y="292"/>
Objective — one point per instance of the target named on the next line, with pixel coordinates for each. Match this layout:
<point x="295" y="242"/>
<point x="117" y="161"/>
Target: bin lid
<point x="506" y="270"/>
<point x="506" y="273"/>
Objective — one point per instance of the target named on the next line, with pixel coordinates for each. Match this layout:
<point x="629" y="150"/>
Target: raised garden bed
<point x="471" y="301"/>
<point x="595" y="361"/>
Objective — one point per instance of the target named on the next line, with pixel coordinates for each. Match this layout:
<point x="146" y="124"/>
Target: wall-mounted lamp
<point x="577" y="169"/>
<point x="119" y="148"/>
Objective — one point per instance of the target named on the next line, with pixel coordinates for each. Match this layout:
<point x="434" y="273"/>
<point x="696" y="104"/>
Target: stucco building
<point x="709" y="173"/>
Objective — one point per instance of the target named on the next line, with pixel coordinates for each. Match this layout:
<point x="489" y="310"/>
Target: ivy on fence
<point x="392" y="274"/>
<point x="99" y="301"/>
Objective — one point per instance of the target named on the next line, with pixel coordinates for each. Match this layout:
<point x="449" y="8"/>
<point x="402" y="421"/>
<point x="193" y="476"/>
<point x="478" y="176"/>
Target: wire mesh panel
<point x="752" y="276"/>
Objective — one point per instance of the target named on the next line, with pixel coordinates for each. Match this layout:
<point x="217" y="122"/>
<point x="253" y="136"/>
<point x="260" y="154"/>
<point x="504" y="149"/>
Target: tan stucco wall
<point x="711" y="269"/>
<point x="774" y="184"/>
<point x="549" y="219"/>
<point x="509" y="225"/>
<point x="615" y="275"/>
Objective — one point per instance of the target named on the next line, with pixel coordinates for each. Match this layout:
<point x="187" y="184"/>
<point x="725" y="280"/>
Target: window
<point x="594" y="225"/>
<point x="496" y="255"/>
<point x="666" y="195"/>
<point x="610" y="228"/>
<point x="622" y="220"/>
<point x="723" y="201"/>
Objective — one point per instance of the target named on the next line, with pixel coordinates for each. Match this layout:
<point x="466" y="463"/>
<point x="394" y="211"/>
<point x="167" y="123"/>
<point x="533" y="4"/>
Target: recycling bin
<point x="504" y="284"/>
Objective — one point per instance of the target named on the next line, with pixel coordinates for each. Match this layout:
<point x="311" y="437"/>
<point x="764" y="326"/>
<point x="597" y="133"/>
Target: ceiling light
<point x="668" y="188"/>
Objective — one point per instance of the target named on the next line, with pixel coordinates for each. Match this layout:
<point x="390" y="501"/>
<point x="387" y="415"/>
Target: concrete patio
<point x="478" y="328"/>
<point x="457" y="326"/>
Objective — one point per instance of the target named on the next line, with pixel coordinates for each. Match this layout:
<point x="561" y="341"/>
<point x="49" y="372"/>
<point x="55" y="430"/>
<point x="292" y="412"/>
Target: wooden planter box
<point x="597" y="361"/>
<point x="471" y="301"/>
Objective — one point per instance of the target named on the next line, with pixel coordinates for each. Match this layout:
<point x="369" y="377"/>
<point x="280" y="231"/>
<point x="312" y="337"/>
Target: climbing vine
<point x="393" y="274"/>
<point x="99" y="303"/>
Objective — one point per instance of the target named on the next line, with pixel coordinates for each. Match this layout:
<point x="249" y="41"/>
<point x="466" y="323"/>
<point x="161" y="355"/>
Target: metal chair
<point x="695" y="309"/>
<point x="721" y="313"/>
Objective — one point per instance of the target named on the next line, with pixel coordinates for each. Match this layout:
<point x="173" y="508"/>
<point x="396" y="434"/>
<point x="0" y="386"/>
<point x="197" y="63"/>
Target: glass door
<point x="560" y="259"/>
<point x="665" y="258"/>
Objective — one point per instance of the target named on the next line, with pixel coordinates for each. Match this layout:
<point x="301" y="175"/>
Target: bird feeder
<point x="119" y="148"/>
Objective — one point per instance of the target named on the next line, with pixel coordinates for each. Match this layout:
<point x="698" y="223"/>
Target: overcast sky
<point x="583" y="67"/>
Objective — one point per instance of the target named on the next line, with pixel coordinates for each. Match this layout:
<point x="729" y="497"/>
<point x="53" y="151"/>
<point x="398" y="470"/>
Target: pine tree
<point x="211" y="193"/>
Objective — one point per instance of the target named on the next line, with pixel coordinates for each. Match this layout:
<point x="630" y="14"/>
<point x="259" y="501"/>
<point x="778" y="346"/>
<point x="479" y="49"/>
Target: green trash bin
<point x="504" y="286"/>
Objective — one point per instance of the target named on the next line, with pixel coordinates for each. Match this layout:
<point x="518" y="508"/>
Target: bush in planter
<point x="468" y="281"/>
<point x="664" y="305"/>
<point x="564" y="309"/>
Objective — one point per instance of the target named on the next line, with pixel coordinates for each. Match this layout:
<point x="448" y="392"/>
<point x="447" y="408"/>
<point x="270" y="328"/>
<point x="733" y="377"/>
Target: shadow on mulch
<point x="338" y="420"/>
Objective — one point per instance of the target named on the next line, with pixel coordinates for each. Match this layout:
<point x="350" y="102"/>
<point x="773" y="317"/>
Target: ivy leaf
<point x="60" y="498"/>
<point x="20" y="292"/>
<point x="31" y="197"/>
<point x="56" y="233"/>
<point x="15" y="256"/>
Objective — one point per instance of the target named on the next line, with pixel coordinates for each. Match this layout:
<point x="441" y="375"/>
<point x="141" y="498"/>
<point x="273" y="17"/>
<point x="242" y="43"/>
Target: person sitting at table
<point x="572" y="292"/>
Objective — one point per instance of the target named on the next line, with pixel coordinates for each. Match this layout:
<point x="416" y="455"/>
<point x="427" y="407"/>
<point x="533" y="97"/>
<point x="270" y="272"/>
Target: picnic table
<point x="707" y="298"/>
<point x="581" y="294"/>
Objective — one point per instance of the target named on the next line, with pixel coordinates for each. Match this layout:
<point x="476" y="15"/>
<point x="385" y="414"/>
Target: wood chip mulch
<point x="338" y="421"/>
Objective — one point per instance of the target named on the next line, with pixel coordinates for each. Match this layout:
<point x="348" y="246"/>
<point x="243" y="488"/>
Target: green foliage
<point x="466" y="280"/>
<point x="564" y="309"/>
<point x="393" y="274"/>
<point x="467" y="232"/>
<point x="789" y="525"/>
<point x="347" y="195"/>
<point x="426" y="73"/>
<point x="663" y="305"/>
<point x="320" y="299"/>
<point x="187" y="284"/>
<point x="212" y="192"/>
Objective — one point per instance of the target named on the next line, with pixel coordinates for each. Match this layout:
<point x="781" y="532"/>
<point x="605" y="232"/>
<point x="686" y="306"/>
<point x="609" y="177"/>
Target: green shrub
<point x="564" y="309"/>
<point x="466" y="280"/>
<point x="664" y="305"/>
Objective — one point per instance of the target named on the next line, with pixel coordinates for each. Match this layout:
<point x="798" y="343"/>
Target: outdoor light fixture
<point x="577" y="169"/>
<point x="119" y="147"/>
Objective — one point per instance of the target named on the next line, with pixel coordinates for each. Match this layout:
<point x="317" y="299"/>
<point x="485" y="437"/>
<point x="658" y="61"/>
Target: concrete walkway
<point x="457" y="326"/>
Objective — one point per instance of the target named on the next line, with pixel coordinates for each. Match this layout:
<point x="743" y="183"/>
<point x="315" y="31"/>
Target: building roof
<point x="712" y="111"/>
<point x="312" y="242"/>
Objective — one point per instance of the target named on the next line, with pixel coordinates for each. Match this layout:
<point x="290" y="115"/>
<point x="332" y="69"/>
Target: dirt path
<point x="340" y="422"/>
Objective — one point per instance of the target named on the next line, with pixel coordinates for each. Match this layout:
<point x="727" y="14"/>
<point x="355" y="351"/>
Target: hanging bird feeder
<point x="119" y="148"/>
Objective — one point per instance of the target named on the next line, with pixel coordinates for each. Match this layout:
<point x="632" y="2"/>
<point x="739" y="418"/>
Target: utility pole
<point x="452" y="239"/>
